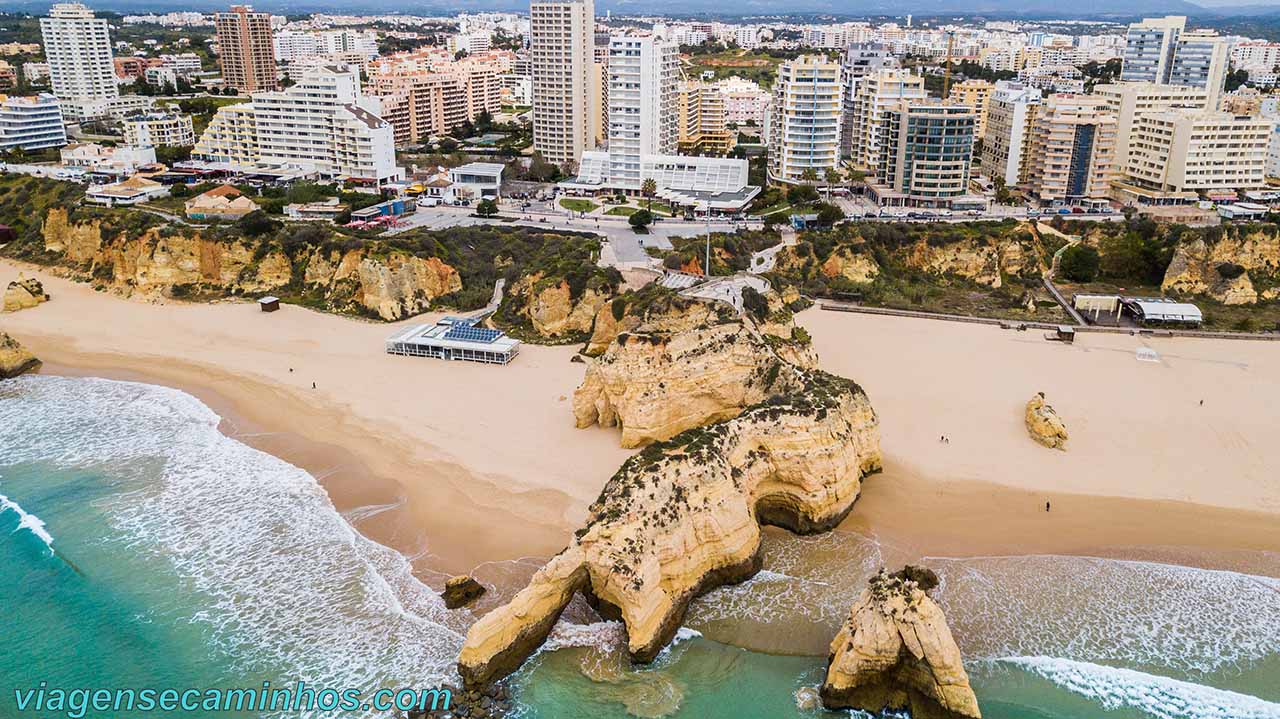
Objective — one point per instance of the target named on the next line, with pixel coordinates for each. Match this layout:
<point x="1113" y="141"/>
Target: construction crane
<point x="946" y="77"/>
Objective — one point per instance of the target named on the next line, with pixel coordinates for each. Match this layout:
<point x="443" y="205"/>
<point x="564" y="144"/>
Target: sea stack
<point x="24" y="293"/>
<point x="684" y="516"/>
<point x="460" y="591"/>
<point x="14" y="358"/>
<point x="895" y="652"/>
<point x="1044" y="425"/>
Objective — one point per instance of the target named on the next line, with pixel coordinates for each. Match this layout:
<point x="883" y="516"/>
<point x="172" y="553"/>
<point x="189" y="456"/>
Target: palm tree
<point x="833" y="177"/>
<point x="809" y="175"/>
<point x="648" y="188"/>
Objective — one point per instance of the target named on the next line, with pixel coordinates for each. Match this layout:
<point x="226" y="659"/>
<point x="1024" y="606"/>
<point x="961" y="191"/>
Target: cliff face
<point x="552" y="310"/>
<point x="389" y="284"/>
<point x="656" y="308"/>
<point x="24" y="293"/>
<point x="896" y="652"/>
<point x="981" y="260"/>
<point x="854" y="266"/>
<point x="392" y="285"/>
<point x="14" y="358"/>
<point x="1198" y="266"/>
<point x="656" y="383"/>
<point x="684" y="516"/>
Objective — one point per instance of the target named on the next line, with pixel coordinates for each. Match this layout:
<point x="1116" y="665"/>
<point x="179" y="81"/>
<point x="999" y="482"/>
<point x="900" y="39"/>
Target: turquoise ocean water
<point x="139" y="547"/>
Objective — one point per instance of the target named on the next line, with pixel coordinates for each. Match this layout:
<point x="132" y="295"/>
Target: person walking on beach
<point x="1046" y="507"/>
<point x="313" y="385"/>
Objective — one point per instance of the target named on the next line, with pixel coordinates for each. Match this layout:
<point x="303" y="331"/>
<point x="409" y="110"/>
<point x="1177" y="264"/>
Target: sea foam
<point x="27" y="521"/>
<point x="286" y="584"/>
<point x="1161" y="697"/>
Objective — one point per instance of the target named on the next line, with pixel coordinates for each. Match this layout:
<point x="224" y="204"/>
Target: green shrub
<point x="1080" y="263"/>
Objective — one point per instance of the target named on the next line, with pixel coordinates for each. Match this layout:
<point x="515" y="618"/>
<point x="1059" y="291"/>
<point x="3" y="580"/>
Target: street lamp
<point x="707" y="271"/>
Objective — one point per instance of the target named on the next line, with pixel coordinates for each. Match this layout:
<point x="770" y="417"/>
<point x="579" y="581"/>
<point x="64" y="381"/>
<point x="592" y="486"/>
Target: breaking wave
<point x="1161" y="697"/>
<point x="27" y="521"/>
<point x="284" y="581"/>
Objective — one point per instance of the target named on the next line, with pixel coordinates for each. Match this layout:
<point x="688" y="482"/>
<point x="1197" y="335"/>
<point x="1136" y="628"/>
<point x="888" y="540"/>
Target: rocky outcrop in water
<point x="1043" y="423"/>
<point x="14" y="358"/>
<point x="684" y="516"/>
<point x="24" y="293"/>
<point x="461" y="591"/>
<point x="895" y="652"/>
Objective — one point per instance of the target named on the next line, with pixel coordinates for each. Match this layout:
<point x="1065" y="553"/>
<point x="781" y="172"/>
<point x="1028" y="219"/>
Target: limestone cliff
<point x="391" y="285"/>
<point x="1220" y="264"/>
<point x="656" y="307"/>
<point x="387" y="283"/>
<point x="1043" y="423"/>
<point x="684" y="516"/>
<point x="857" y="267"/>
<point x="14" y="358"/>
<point x="551" y="308"/>
<point x="656" y="383"/>
<point x="24" y="293"/>
<point x="896" y="652"/>
<point x="982" y="260"/>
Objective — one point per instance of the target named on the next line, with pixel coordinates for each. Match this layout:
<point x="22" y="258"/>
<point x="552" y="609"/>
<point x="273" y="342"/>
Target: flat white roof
<point x="1167" y="309"/>
<point x="433" y="335"/>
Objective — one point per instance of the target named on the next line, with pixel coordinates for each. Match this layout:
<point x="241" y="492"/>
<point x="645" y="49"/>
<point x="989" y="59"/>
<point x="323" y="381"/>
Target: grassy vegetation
<point x="757" y="66"/>
<point x="576" y="204"/>
<point x="624" y="211"/>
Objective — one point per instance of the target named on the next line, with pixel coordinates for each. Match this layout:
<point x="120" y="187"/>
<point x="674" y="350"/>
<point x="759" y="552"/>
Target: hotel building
<point x="31" y="123"/>
<point x="1072" y="150"/>
<point x="926" y="153"/>
<point x="77" y="46"/>
<point x="874" y="94"/>
<point x="1177" y="155"/>
<point x="1010" y="115"/>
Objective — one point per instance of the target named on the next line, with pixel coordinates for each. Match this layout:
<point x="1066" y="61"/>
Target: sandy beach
<point x="459" y="465"/>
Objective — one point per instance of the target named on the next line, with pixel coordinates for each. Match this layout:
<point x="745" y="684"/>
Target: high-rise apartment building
<point x="860" y="59"/>
<point x="1010" y="116"/>
<point x="874" y="94"/>
<point x="976" y="95"/>
<point x="804" y="121"/>
<point x="324" y="122"/>
<point x="246" y="51"/>
<point x="432" y="95"/>
<point x="562" y="55"/>
<point x="701" y="119"/>
<point x="77" y="46"/>
<point x="644" y="76"/>
<point x="1174" y="155"/>
<point x="1072" y="149"/>
<point x="1130" y="100"/>
<point x="1162" y="50"/>
<point x="926" y="153"/>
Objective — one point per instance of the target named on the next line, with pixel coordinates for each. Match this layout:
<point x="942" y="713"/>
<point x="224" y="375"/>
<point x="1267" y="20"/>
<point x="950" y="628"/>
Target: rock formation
<point x="1220" y="264"/>
<point x="461" y="591"/>
<point x="551" y="308"/>
<point x="389" y="284"/>
<point x="983" y="260"/>
<point x="656" y="383"/>
<point x="24" y="293"/>
<point x="684" y="516"/>
<point x="1043" y="423"/>
<point x="14" y="358"/>
<point x="855" y="266"/>
<point x="896" y="652"/>
<point x="655" y="306"/>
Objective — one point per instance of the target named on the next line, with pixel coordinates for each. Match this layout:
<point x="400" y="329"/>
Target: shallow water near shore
<point x="140" y="547"/>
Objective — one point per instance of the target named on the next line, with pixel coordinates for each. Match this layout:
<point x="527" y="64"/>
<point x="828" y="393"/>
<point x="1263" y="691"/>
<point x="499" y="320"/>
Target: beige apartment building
<point x="701" y="125"/>
<point x="1130" y="100"/>
<point x="876" y="93"/>
<point x="246" y="52"/>
<point x="1011" y="114"/>
<point x="433" y="100"/>
<point x="976" y="95"/>
<point x="926" y="154"/>
<point x="562" y="62"/>
<point x="1071" y="150"/>
<point x="804" y="121"/>
<point x="1175" y="156"/>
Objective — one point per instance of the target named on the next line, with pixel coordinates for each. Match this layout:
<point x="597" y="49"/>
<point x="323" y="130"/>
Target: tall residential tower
<point x="245" y="49"/>
<point x="81" y="70"/>
<point x="562" y="58"/>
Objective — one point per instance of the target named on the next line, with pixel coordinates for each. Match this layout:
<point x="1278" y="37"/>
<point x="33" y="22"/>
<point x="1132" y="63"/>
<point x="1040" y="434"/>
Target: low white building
<point x="122" y="160"/>
<point x="479" y="180"/>
<point x="31" y="123"/>
<point x="129" y="192"/>
<point x="699" y="183"/>
<point x="156" y="129"/>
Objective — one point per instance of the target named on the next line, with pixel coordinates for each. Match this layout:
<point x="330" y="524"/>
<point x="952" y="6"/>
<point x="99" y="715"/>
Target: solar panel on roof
<point x="472" y="334"/>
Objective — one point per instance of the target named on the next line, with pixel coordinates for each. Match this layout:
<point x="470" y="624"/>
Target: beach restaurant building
<point x="455" y="338"/>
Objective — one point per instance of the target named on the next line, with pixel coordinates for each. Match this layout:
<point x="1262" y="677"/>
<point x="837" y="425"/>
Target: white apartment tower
<point x="804" y="122"/>
<point x="1149" y="47"/>
<point x="1163" y="51"/>
<point x="873" y="95"/>
<point x="644" y="76"/>
<point x="562" y="57"/>
<point x="1010" y="116"/>
<point x="77" y="46"/>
